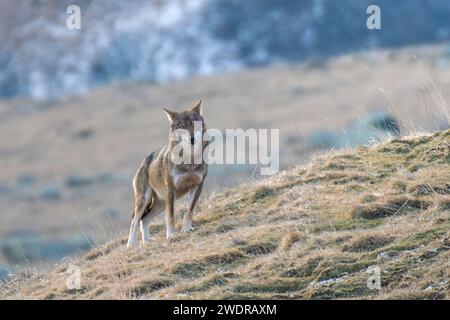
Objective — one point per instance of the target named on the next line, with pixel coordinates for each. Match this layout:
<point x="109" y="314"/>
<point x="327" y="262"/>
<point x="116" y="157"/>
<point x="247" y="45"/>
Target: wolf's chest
<point x="185" y="181"/>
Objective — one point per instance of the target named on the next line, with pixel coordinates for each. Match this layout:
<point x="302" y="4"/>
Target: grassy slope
<point x="281" y="237"/>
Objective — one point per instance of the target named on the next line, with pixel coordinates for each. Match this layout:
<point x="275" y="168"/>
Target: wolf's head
<point x="187" y="126"/>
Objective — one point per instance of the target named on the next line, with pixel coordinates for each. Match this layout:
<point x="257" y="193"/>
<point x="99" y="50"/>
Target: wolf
<point x="160" y="181"/>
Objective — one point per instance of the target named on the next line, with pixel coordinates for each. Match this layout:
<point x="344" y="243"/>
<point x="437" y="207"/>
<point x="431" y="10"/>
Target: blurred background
<point x="80" y="109"/>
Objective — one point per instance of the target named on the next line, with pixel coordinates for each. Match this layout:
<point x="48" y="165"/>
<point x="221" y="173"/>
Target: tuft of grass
<point x="368" y="243"/>
<point x="337" y="267"/>
<point x="212" y="281"/>
<point x="303" y="271"/>
<point x="422" y="189"/>
<point x="262" y="193"/>
<point x="105" y="249"/>
<point x="289" y="240"/>
<point x="260" y="248"/>
<point x="199" y="267"/>
<point x="342" y="290"/>
<point x="148" y="286"/>
<point x="389" y="206"/>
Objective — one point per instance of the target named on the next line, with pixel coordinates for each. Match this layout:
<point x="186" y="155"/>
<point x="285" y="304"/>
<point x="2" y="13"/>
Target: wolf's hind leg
<point x="153" y="209"/>
<point x="142" y="197"/>
<point x="139" y="208"/>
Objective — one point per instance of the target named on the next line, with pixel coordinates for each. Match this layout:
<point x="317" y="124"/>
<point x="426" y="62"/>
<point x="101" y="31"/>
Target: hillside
<point x="309" y="232"/>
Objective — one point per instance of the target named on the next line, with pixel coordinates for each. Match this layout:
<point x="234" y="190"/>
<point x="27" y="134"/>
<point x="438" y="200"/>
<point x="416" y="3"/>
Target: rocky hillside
<point x="310" y="232"/>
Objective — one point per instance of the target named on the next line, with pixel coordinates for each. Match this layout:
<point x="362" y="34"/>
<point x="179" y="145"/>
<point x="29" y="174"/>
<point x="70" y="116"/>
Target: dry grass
<point x="310" y="232"/>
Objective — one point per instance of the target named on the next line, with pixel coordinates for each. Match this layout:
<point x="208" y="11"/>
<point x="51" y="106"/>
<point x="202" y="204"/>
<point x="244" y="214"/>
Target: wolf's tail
<point x="140" y="183"/>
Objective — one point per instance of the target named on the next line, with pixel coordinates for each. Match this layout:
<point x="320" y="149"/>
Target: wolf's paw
<point x="131" y="243"/>
<point x="187" y="228"/>
<point x="170" y="234"/>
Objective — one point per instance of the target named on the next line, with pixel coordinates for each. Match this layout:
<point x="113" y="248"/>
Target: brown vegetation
<point x="309" y="232"/>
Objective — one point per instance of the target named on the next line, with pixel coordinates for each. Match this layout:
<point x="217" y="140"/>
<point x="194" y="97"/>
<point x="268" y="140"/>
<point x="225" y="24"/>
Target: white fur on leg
<point x="134" y="228"/>
<point x="170" y="232"/>
<point x="145" y="229"/>
<point x="187" y="226"/>
<point x="132" y="236"/>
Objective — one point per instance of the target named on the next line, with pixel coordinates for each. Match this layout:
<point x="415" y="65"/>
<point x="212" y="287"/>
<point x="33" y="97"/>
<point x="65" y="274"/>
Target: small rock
<point x="383" y="255"/>
<point x="430" y="253"/>
<point x="332" y="280"/>
<point x="326" y="281"/>
<point x="51" y="193"/>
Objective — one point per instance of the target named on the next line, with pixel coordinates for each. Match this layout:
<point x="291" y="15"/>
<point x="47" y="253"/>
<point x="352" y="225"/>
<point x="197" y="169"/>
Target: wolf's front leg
<point x="187" y="220"/>
<point x="170" y="216"/>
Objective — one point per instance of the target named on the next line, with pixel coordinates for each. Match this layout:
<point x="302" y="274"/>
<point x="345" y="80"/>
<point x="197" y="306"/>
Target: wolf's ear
<point x="197" y="107"/>
<point x="171" y="115"/>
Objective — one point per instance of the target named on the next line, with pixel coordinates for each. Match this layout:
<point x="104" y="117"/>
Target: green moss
<point x="349" y="224"/>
